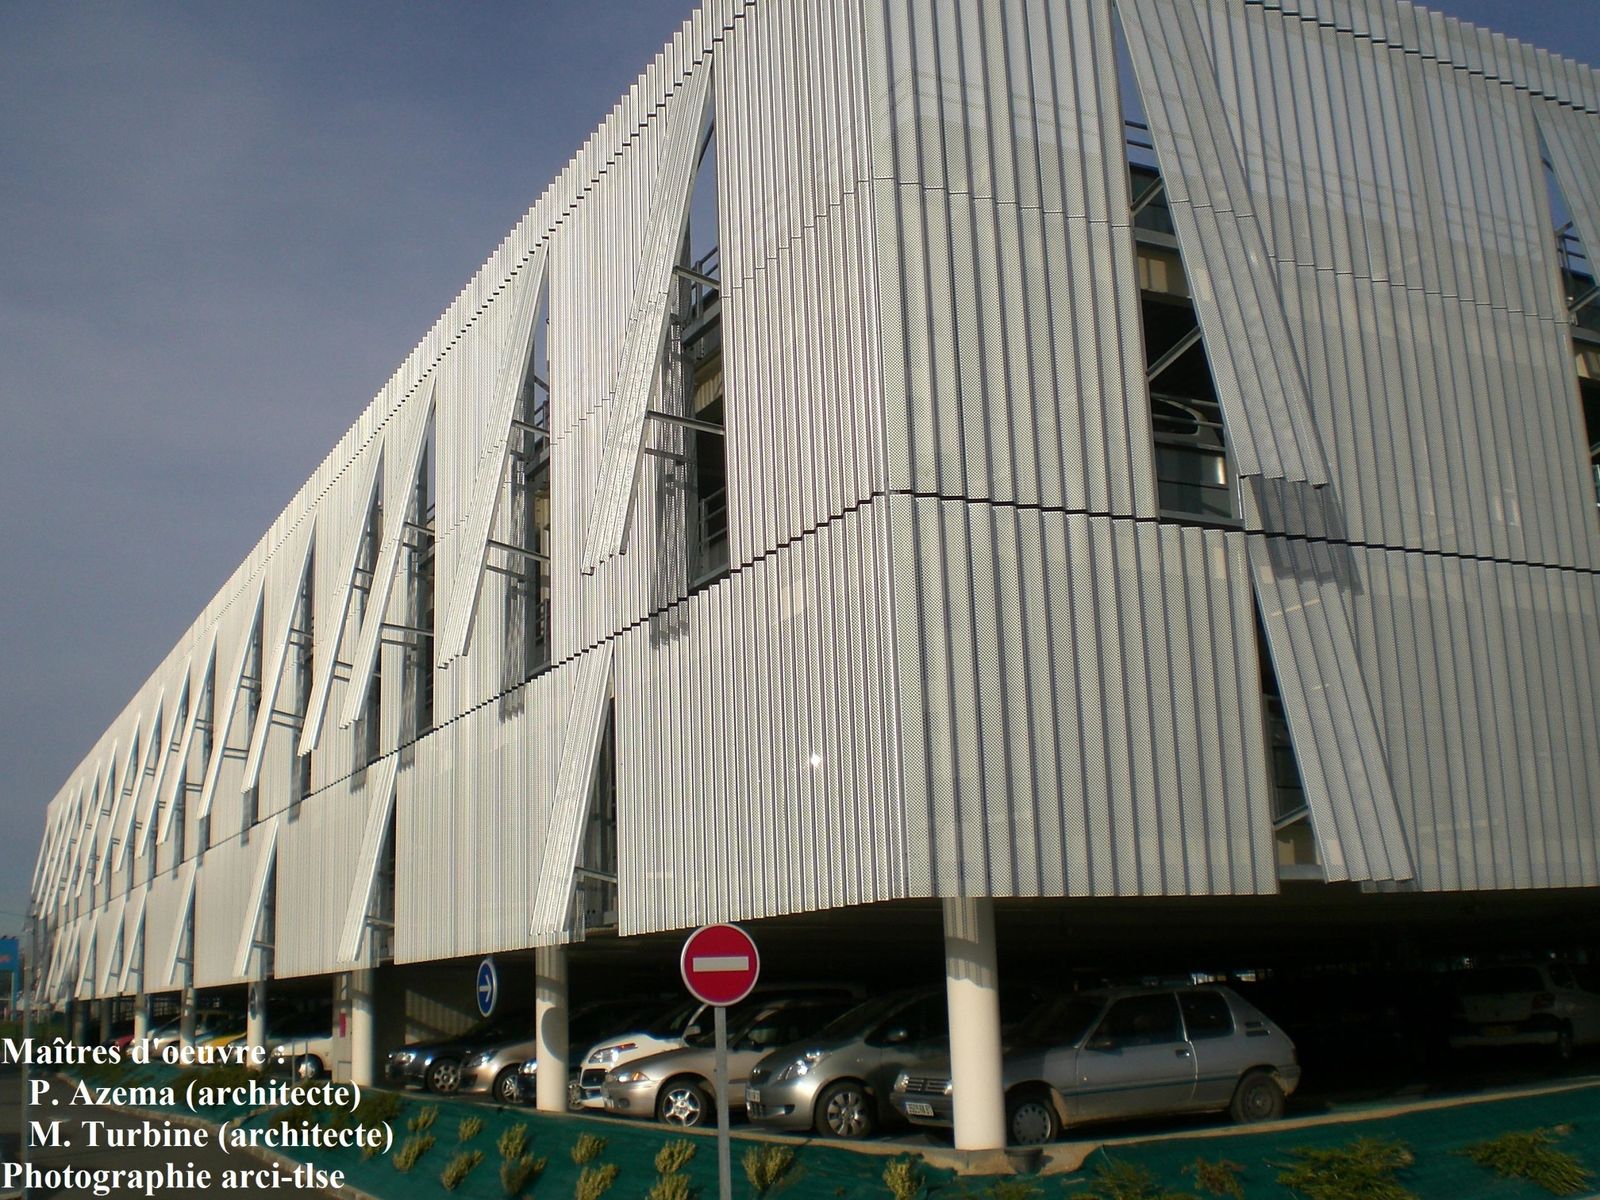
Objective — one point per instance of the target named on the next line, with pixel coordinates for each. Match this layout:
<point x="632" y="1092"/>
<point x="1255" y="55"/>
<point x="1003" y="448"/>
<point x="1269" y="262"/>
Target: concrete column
<point x="972" y="983"/>
<point x="78" y="1020"/>
<point x="141" y="1017"/>
<point x="255" y="1015"/>
<point x="550" y="1026"/>
<point x="186" y="1016"/>
<point x="363" y="1028"/>
<point x="107" y="1009"/>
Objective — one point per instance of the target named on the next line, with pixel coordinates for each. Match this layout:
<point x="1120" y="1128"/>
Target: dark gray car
<point x="1126" y="1052"/>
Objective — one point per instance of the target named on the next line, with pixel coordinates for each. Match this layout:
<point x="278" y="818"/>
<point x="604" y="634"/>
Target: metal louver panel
<point x="1573" y="139"/>
<point x="134" y="942"/>
<point x="381" y="801"/>
<point x="122" y="807"/>
<point x="113" y="948"/>
<point x="235" y="678"/>
<point x="60" y="953"/>
<point x="486" y="488"/>
<point x="285" y="585"/>
<point x="329" y="639"/>
<point x="399" y="475"/>
<point x="646" y="334"/>
<point x="149" y="764"/>
<point x="179" y="762"/>
<point x="88" y="942"/>
<point x="1300" y="587"/>
<point x="1258" y="375"/>
<point x="575" y="773"/>
<point x="256" y="898"/>
<point x="182" y="920"/>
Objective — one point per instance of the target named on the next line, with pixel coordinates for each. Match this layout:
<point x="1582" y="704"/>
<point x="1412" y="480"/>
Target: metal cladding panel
<point x="319" y="845"/>
<point x="1302" y="588"/>
<point x="1081" y="707"/>
<point x="286" y="575"/>
<point x="235" y="634"/>
<point x="787" y="660"/>
<point x="223" y="906"/>
<point x="1012" y="367"/>
<point x="469" y="817"/>
<point x="167" y="927"/>
<point x="108" y="949"/>
<point x="131" y="977"/>
<point x="1259" y="379"/>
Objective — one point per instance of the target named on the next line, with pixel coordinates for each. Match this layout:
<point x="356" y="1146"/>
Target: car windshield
<point x="1061" y="1021"/>
<point x="1495" y="981"/>
<point x="865" y="1016"/>
<point x="670" y="1023"/>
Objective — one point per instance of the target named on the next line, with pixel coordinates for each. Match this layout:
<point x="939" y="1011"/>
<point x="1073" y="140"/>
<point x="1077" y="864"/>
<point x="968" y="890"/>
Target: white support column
<point x="141" y="1017"/>
<point x="972" y="990"/>
<point x="363" y="1028"/>
<point x="255" y="1018"/>
<point x="186" y="1016"/>
<point x="550" y="1026"/>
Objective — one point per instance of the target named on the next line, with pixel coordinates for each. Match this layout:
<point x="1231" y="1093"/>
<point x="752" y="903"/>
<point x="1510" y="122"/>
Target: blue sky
<point x="224" y="225"/>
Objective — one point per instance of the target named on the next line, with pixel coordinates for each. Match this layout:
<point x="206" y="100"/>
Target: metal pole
<point x="724" y="1148"/>
<point x="27" y="1033"/>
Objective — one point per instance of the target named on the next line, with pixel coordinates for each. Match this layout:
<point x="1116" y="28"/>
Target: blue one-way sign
<point x="488" y="987"/>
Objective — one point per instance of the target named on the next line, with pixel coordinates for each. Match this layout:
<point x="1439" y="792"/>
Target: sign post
<point x="720" y="965"/>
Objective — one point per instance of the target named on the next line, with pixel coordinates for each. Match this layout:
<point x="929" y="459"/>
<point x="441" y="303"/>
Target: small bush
<point x="469" y="1128"/>
<point x="669" y="1187"/>
<point x="674" y="1156"/>
<point x="414" y="1148"/>
<point x="902" y="1178"/>
<point x="1220" y="1178"/>
<point x="1114" y="1180"/>
<point x="1531" y="1154"/>
<point x="765" y="1165"/>
<point x="1012" y="1189"/>
<point x="458" y="1168"/>
<point x="587" y="1148"/>
<point x="1364" y="1169"/>
<point x="516" y="1174"/>
<point x="514" y="1143"/>
<point x="593" y="1182"/>
<point x="424" y="1119"/>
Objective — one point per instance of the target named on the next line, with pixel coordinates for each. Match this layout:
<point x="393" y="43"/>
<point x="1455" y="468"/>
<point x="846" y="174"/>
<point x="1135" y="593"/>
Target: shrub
<point x="594" y="1181"/>
<point x="669" y="1187"/>
<point x="674" y="1156"/>
<point x="458" y="1168"/>
<point x="514" y="1143"/>
<point x="517" y="1173"/>
<point x="587" y="1148"/>
<point x="765" y="1165"/>
<point x="902" y="1178"/>
<point x="1531" y="1154"/>
<point x="414" y="1148"/>
<point x="1012" y="1189"/>
<point x="1220" y="1178"/>
<point x="1360" y="1170"/>
<point x="469" y="1128"/>
<point x="424" y="1119"/>
<point x="1114" y="1180"/>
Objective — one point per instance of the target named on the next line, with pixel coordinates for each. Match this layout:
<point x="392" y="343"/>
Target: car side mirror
<point x="1102" y="1044"/>
<point x="897" y="1036"/>
<point x="691" y="1031"/>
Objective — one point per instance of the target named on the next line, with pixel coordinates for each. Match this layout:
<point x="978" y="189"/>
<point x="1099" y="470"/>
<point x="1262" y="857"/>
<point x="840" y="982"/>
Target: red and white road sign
<point x="720" y="964"/>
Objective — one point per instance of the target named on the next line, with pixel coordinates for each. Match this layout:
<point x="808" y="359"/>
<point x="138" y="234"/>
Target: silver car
<point x="676" y="1086"/>
<point x="1126" y="1052"/>
<point x="838" y="1082"/>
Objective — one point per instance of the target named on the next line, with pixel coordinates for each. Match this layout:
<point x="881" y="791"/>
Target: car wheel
<point x="309" y="1066"/>
<point x="1257" y="1098"/>
<point x="1031" y="1120"/>
<point x="444" y="1077"/>
<point x="683" y="1102"/>
<point x="504" y="1089"/>
<point x="845" y="1110"/>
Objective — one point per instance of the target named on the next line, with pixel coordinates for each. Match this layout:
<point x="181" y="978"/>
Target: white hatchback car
<point x="1523" y="1004"/>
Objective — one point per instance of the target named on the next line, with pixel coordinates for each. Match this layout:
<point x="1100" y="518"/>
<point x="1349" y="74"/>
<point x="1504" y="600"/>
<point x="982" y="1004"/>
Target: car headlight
<point x="530" y="1067"/>
<point x="949" y="1086"/>
<point x="402" y="1057"/>
<point x="627" y="1077"/>
<point x="478" y="1059"/>
<point x="901" y="1080"/>
<point x="609" y="1055"/>
<point x="800" y="1067"/>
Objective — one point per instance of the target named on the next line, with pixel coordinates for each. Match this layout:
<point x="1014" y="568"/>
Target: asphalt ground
<point x="76" y="1152"/>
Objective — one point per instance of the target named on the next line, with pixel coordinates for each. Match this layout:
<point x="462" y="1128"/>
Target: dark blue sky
<point x="224" y="225"/>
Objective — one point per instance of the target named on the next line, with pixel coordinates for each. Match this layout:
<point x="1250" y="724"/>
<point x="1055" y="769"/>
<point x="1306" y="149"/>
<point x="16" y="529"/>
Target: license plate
<point x="1498" y="1030"/>
<point x="752" y="1096"/>
<point x="918" y="1108"/>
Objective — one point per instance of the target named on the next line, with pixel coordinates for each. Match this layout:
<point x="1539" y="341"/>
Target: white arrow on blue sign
<point x="488" y="989"/>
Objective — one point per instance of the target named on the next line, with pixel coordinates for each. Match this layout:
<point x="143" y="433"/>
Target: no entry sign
<point x="720" y="964"/>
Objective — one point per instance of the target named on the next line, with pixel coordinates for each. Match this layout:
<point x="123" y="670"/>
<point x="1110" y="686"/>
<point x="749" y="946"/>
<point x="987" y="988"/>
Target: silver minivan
<point x="1125" y="1052"/>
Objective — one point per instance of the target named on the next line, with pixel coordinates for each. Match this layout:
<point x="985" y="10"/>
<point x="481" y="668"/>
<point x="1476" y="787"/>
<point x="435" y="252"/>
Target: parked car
<point x="208" y="1025"/>
<point x="499" y="1070"/>
<point x="838" y="1081"/>
<point x="1523" y="1004"/>
<point x="1125" y="1052"/>
<point x="436" y="1065"/>
<point x="668" y="1030"/>
<point x="678" y="1086"/>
